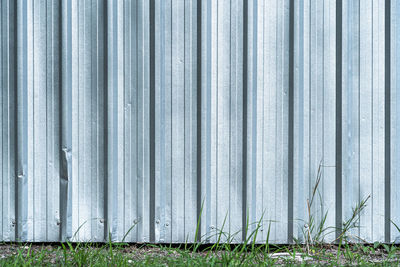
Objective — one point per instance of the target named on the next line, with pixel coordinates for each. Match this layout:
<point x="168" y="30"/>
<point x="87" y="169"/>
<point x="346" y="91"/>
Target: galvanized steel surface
<point x="142" y="120"/>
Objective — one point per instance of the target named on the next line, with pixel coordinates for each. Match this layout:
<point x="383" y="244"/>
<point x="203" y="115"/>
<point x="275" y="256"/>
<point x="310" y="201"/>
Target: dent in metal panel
<point x="66" y="123"/>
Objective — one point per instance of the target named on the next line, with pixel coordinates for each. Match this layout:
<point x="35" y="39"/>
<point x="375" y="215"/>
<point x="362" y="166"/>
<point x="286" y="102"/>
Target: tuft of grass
<point x="314" y="230"/>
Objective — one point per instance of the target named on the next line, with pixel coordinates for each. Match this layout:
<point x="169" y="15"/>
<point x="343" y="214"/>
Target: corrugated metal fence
<point x="146" y="117"/>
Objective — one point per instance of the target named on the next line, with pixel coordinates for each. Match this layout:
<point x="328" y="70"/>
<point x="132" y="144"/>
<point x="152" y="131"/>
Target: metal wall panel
<point x="8" y="120"/>
<point x="86" y="94"/>
<point x="175" y="121"/>
<point x="38" y="118"/>
<point x="128" y="120"/>
<point x="268" y="111"/>
<point x="314" y="114"/>
<point x="154" y="121"/>
<point x="222" y="106"/>
<point x="364" y="115"/>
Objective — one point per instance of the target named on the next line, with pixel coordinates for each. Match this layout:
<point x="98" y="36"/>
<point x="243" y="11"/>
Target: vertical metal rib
<point x="66" y="122"/>
<point x="107" y="207"/>
<point x="387" y="119"/>
<point x="338" y="116"/>
<point x="198" y="116"/>
<point x="8" y="109"/>
<point x="152" y="121"/>
<point x="244" y="134"/>
<point x="291" y="122"/>
<point x="14" y="118"/>
<point x="22" y="122"/>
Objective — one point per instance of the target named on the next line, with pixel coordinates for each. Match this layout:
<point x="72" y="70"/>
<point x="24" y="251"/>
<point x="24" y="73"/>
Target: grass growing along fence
<point x="313" y="252"/>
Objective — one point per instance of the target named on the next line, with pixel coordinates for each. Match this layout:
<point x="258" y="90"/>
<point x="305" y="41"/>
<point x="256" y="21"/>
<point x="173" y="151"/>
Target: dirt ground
<point x="322" y="256"/>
